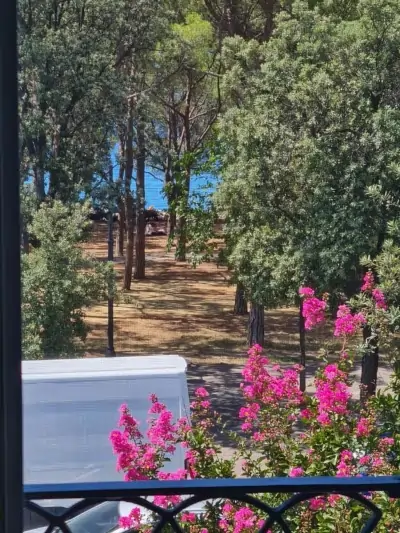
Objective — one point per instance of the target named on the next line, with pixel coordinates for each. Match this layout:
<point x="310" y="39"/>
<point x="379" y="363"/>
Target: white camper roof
<point x="72" y="405"/>
<point x="154" y="365"/>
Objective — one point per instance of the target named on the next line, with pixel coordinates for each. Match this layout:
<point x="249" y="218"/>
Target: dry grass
<point x="185" y="311"/>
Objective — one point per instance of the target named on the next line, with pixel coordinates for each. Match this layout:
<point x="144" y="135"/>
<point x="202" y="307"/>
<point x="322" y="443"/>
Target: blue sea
<point x="154" y="183"/>
<point x="154" y="187"/>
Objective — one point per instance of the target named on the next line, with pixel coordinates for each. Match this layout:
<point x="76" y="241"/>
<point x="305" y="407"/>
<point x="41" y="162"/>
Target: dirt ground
<point x="181" y="310"/>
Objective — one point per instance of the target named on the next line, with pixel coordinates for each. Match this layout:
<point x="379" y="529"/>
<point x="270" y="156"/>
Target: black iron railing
<point x="247" y="491"/>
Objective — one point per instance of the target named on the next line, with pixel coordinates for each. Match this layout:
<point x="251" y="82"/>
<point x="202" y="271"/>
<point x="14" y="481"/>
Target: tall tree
<point x="128" y="198"/>
<point x="189" y="107"/>
<point x="314" y="106"/>
<point x="140" y="260"/>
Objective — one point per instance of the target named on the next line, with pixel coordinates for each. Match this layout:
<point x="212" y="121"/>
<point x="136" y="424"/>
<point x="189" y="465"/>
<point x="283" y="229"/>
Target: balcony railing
<point x="248" y="491"/>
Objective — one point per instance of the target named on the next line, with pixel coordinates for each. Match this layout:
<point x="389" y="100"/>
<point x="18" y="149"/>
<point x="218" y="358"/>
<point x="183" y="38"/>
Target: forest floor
<point x="187" y="311"/>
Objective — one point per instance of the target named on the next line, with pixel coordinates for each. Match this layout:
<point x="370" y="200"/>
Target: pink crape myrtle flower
<point x="347" y="324"/>
<point x="242" y="520"/>
<point x="313" y="308"/>
<point x="345" y="467"/>
<point x="368" y="282"/>
<point x="133" y="520"/>
<point x="264" y="387"/>
<point x="201" y="392"/>
<point x="317" y="504"/>
<point x="296" y="472"/>
<point x="306" y="292"/>
<point x="313" y="312"/>
<point x="379" y="298"/>
<point x="332" y="394"/>
<point x="364" y="427"/>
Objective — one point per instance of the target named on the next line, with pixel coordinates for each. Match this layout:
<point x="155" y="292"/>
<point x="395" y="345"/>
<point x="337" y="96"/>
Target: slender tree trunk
<point x="130" y="224"/>
<point x="182" y="222"/>
<point x="255" y="334"/>
<point x="302" y="339"/>
<point x="24" y="236"/>
<point x="370" y="365"/>
<point x="171" y="226"/>
<point x="38" y="172"/>
<point x="240" y="307"/>
<point x="169" y="185"/>
<point x="140" y="255"/>
<point x="184" y="194"/>
<point x="130" y="241"/>
<point x="120" y="240"/>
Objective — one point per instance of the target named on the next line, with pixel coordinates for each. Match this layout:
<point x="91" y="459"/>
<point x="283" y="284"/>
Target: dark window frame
<point x="11" y="483"/>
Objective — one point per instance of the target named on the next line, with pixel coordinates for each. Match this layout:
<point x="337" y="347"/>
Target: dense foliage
<point x="313" y="133"/>
<point x="59" y="282"/>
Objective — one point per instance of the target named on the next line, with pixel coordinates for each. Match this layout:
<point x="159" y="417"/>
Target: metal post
<point x="11" y="489"/>
<point x="110" y="352"/>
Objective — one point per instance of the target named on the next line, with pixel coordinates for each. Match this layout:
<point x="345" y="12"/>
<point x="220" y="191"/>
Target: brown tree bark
<point x="38" y="170"/>
<point x="120" y="240"/>
<point x="370" y="365"/>
<point x="302" y="341"/>
<point x="168" y="180"/>
<point x="184" y="193"/>
<point x="256" y="332"/>
<point x="128" y="201"/>
<point x="181" y="246"/>
<point x="240" y="307"/>
<point x="140" y="242"/>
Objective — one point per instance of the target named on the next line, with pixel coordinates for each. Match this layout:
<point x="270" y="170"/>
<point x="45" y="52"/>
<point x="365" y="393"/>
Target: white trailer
<point x="71" y="406"/>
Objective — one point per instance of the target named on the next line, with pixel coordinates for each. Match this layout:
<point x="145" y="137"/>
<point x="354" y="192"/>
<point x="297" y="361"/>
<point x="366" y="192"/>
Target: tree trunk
<point x="38" y="171"/>
<point x="302" y="339"/>
<point x="171" y="225"/>
<point x="370" y="365"/>
<point x="184" y="192"/>
<point x="181" y="244"/>
<point x="255" y="334"/>
<point x="240" y="307"/>
<point x="140" y="255"/>
<point x="130" y="224"/>
<point x="120" y="240"/>
<point x="171" y="196"/>
<point x="130" y="241"/>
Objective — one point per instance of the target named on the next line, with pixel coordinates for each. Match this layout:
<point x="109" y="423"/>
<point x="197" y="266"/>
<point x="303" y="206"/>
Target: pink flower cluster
<point x="141" y="460"/>
<point x="345" y="467"/>
<point x="273" y="401"/>
<point x="264" y="388"/>
<point x="369" y="287"/>
<point x="364" y="427"/>
<point x="368" y="282"/>
<point x="347" y="324"/>
<point x="379" y="298"/>
<point x="313" y="308"/>
<point x="332" y="394"/>
<point x="296" y="472"/>
<point x="239" y="520"/>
